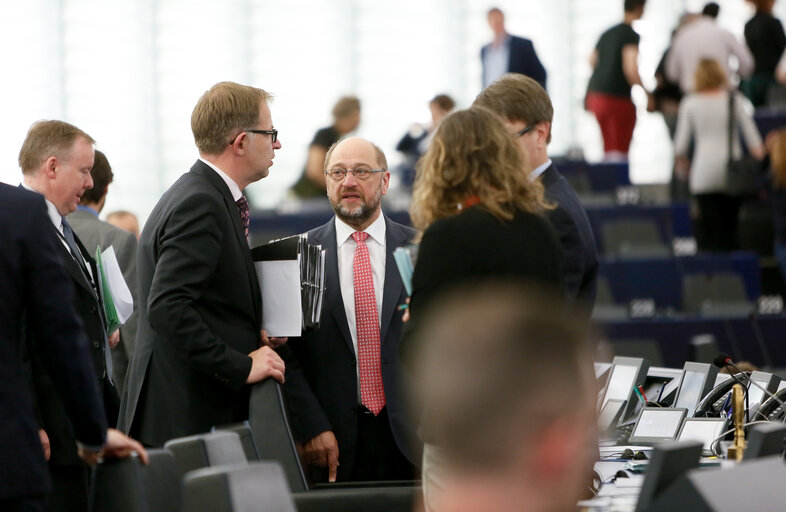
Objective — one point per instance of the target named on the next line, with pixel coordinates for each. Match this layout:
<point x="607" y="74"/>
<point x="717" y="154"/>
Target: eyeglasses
<point x="361" y="173"/>
<point x="523" y="131"/>
<point x="273" y="133"/>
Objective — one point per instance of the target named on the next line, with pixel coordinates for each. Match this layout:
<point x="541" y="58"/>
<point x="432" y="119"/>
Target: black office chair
<point x="633" y="238"/>
<point x="253" y="487"/>
<point x="718" y="294"/>
<point x="243" y="430"/>
<point x="126" y="485"/>
<point x="205" y="450"/>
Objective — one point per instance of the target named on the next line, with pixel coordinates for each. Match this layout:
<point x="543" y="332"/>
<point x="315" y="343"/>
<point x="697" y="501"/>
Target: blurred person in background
<point x="509" y="54"/>
<point x="704" y="119"/>
<point x="124" y="220"/>
<point x="615" y="69"/>
<point x="700" y="39"/>
<point x="502" y="442"/>
<point x="346" y="119"/>
<point x="766" y="40"/>
<point x="776" y="144"/>
<point x="96" y="233"/>
<point x="415" y="142"/>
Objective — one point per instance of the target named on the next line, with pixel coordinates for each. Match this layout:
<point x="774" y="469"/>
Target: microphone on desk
<point x="724" y="360"/>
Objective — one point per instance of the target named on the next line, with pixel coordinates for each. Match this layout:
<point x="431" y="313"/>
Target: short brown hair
<point x="346" y="106"/>
<point x="472" y="154"/>
<point x="518" y="97"/>
<point x="444" y="102"/>
<point x="45" y="139"/>
<point x="475" y="399"/>
<point x="709" y="75"/>
<point x="383" y="162"/>
<point x="102" y="176"/>
<point x="223" y="109"/>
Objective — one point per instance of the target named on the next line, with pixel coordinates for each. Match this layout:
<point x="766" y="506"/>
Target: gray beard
<point x="357" y="215"/>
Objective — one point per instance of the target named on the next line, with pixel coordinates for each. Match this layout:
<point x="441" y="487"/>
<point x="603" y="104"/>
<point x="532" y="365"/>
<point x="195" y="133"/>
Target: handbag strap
<point x="731" y="126"/>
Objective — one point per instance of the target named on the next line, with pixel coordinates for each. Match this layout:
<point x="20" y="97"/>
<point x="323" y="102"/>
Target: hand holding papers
<point x="115" y="295"/>
<point x="291" y="276"/>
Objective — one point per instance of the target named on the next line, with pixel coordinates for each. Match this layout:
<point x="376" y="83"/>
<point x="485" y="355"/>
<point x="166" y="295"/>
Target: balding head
<point x="356" y="201"/>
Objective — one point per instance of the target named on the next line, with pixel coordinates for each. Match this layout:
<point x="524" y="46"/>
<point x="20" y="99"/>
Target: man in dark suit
<point x="509" y="54"/>
<point x="56" y="158"/>
<point x="38" y="298"/>
<point x="199" y="332"/>
<point x="96" y="233"/>
<point x="344" y="384"/>
<point x="526" y="109"/>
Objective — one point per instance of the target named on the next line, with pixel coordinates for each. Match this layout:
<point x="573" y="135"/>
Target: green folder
<point x="112" y="321"/>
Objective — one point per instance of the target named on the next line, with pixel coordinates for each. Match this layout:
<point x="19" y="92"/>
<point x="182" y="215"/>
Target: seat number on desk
<point x="770" y="305"/>
<point x="642" y="308"/>
<point x="684" y="246"/>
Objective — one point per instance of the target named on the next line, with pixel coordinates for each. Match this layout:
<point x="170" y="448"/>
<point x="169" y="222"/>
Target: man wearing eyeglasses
<point x="526" y="110"/>
<point x="344" y="383"/>
<point x="199" y="339"/>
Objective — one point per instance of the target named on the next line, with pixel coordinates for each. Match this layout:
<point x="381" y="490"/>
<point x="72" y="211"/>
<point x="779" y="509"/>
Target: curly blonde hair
<point x="472" y="155"/>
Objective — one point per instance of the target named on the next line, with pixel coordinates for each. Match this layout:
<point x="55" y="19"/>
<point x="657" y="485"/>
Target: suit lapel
<point x="333" y="297"/>
<point x="209" y="174"/>
<point x="391" y="294"/>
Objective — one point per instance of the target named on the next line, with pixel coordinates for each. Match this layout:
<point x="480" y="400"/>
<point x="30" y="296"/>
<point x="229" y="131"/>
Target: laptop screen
<point x="704" y="430"/>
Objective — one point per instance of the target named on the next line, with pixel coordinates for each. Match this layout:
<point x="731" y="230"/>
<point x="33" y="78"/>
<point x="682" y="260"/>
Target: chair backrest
<point x="645" y="348"/>
<point x="718" y="293"/>
<point x="267" y="417"/>
<point x="243" y="430"/>
<point x="126" y="485"/>
<point x="204" y="450"/>
<point x="252" y="487"/>
<point x="634" y="237"/>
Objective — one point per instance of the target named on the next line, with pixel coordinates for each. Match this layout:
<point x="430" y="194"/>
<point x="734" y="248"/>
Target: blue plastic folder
<point x="405" y="261"/>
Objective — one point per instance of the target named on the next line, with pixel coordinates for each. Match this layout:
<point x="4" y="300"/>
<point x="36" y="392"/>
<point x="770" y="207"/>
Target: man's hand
<point x="45" y="443"/>
<point x="114" y="338"/>
<point x="265" y="363"/>
<point x="322" y="451"/>
<point x="118" y="446"/>
<point x="271" y="342"/>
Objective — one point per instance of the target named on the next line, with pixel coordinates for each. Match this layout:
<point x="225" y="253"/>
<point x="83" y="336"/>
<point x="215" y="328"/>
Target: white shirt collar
<point x="537" y="171"/>
<point x="51" y="209"/>
<point x="234" y="189"/>
<point x="376" y="231"/>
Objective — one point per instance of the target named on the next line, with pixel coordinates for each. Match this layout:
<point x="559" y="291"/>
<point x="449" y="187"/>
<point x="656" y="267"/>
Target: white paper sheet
<point x="121" y="295"/>
<point x="282" y="312"/>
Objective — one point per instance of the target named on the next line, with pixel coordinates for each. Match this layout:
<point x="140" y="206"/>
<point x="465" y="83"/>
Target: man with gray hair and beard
<point x="343" y="384"/>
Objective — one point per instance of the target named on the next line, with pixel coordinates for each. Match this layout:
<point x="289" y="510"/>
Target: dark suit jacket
<point x="575" y="235"/>
<point x="88" y="306"/>
<point x="33" y="281"/>
<point x="474" y="246"/>
<point x="199" y="314"/>
<point x="321" y="382"/>
<point x="523" y="60"/>
<point x="94" y="232"/>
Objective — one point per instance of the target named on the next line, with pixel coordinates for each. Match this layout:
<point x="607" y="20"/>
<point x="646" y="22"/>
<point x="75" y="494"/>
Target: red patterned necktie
<point x="245" y="215"/>
<point x="372" y="392"/>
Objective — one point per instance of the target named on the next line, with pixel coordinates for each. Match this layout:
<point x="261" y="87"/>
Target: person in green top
<point x="615" y="71"/>
<point x="346" y="118"/>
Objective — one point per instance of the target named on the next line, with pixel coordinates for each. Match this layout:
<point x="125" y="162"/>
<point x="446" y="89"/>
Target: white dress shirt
<point x="346" y="250"/>
<point x="495" y="61"/>
<point x="537" y="171"/>
<point x="234" y="189"/>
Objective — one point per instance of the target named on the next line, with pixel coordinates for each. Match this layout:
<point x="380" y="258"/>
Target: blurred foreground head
<point x="507" y="395"/>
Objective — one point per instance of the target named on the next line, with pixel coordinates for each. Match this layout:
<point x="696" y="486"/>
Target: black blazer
<point x="89" y="309"/>
<point x="474" y="246"/>
<point x="523" y="60"/>
<point x="321" y="380"/>
<point x="570" y="221"/>
<point x="199" y="314"/>
<point x="37" y="291"/>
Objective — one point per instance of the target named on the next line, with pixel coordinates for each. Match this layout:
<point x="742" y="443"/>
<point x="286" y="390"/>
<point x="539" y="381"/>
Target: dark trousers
<point x="717" y="223"/>
<point x="377" y="456"/>
<point x="26" y="504"/>
<point x="69" y="488"/>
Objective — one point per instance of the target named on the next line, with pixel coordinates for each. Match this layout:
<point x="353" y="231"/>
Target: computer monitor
<point x="706" y="430"/>
<point x="765" y="440"/>
<point x="720" y="378"/>
<point x="697" y="380"/>
<point x="656" y="425"/>
<point x="667" y="465"/>
<point x="766" y="380"/>
<point x="610" y="414"/>
<point x="626" y="374"/>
